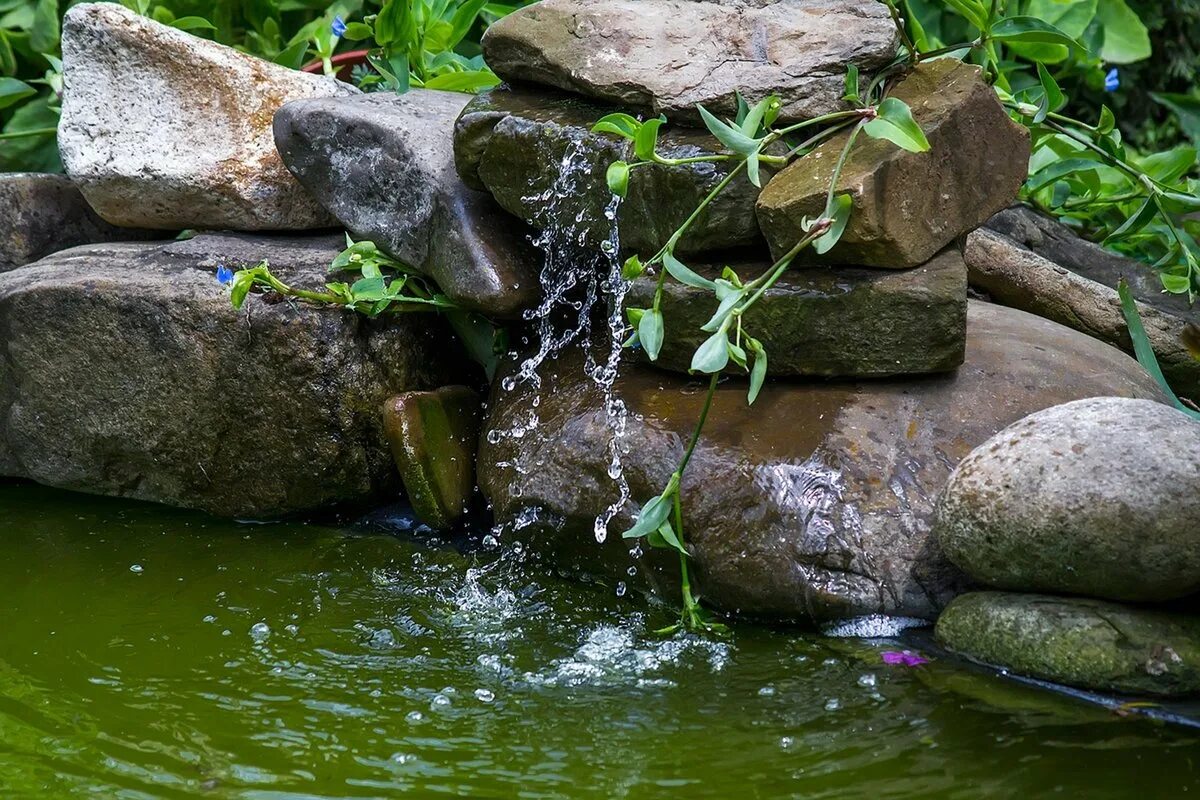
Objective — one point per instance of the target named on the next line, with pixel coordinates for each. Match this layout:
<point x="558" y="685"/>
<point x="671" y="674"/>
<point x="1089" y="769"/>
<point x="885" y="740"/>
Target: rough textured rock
<point x="1031" y="262"/>
<point x="384" y="166"/>
<point x="162" y="129"/>
<point x="669" y="55"/>
<point x="814" y="504"/>
<point x="434" y="436"/>
<point x="1098" y="497"/>
<point x="45" y="214"/>
<point x="125" y="371"/>
<point x="831" y="321"/>
<point x="1091" y="644"/>
<point x="908" y="206"/>
<point x="535" y="152"/>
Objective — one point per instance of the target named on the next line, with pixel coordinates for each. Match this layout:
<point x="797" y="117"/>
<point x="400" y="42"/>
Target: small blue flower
<point x="224" y="275"/>
<point x="339" y="27"/>
<point x="1112" y="81"/>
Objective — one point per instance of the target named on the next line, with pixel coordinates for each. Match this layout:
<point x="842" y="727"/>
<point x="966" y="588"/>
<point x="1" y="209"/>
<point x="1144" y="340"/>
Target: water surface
<point x="151" y="653"/>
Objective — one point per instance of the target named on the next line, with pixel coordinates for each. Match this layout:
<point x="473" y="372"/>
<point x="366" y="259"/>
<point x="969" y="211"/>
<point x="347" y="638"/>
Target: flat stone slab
<point x="47" y="213"/>
<point x="670" y="55"/>
<point x="908" y="206"/>
<point x="1031" y="262"/>
<point x="814" y="504"/>
<point x="162" y="129"/>
<point x="384" y="166"/>
<point x="535" y="152"/>
<point x="125" y="371"/>
<point x="433" y="436"/>
<point x="1080" y="642"/>
<point x="866" y="323"/>
<point x="1100" y="497"/>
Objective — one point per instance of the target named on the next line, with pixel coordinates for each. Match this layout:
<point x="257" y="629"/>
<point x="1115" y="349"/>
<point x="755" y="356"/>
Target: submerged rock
<point x="47" y="213"/>
<point x="162" y="129"/>
<point x="831" y="321"/>
<point x="1098" y="497"/>
<point x="1080" y="642"/>
<point x="669" y="55"/>
<point x="908" y="206"/>
<point x="536" y="154"/>
<point x="384" y="166"/>
<point x="814" y="504"/>
<point x="434" y="436"/>
<point x="125" y="371"/>
<point x="1034" y="263"/>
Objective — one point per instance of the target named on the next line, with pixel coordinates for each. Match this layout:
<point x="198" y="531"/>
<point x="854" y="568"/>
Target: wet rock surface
<point x="46" y="213"/>
<point x="1031" y="262"/>
<point x="162" y="129"/>
<point x="518" y="143"/>
<point x="1080" y="642"/>
<point x="831" y="321"/>
<point x="814" y="504"/>
<point x="1099" y="497"/>
<point x="669" y="55"/>
<point x="125" y="371"/>
<point x="384" y="166"/>
<point x="908" y="206"/>
<point x="433" y="436"/>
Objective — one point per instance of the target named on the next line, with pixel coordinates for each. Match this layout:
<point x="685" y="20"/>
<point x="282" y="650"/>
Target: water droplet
<point x="209" y="618"/>
<point x="621" y="588"/>
<point x="766" y="691"/>
<point x="485" y="695"/>
<point x="414" y="716"/>
<point x="259" y="631"/>
<point x="786" y="742"/>
<point x="135" y="568"/>
<point x="867" y="680"/>
<point x="440" y="701"/>
<point x="832" y="704"/>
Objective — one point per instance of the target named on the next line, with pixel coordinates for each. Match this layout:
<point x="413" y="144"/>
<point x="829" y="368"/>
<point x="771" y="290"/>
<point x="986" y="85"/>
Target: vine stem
<point x="24" y="134"/>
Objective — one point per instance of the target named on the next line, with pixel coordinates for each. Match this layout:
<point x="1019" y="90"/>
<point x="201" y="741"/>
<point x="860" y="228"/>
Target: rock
<point x="670" y="55"/>
<point x="535" y="152"/>
<point x="1031" y="262"/>
<point x="434" y="436"/>
<point x="46" y="213"/>
<point x="125" y="371"/>
<point x="1098" y="497"/>
<point x="384" y="166"/>
<point x="814" y="504"/>
<point x="831" y="321"/>
<point x="908" y="206"/>
<point x="1079" y="642"/>
<point x="161" y="129"/>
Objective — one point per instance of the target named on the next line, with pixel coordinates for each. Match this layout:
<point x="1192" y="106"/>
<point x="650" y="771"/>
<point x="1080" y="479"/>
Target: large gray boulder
<point x="535" y="152"/>
<point x="1080" y="642"/>
<point x="1098" y="497"/>
<point x="669" y="55"/>
<point x="46" y="213"/>
<point x="384" y="166"/>
<point x="162" y="129"/>
<point x="125" y="371"/>
<point x="814" y="504"/>
<point x="832" y="321"/>
<point x="1029" y="261"/>
<point x="908" y="206"/>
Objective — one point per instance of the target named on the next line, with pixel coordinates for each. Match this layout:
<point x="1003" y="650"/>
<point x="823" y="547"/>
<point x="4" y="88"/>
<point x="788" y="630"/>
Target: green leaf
<point x="851" y="95"/>
<point x="1135" y="223"/>
<point x="713" y="355"/>
<point x="193" y="24"/>
<point x="729" y="296"/>
<point x="1179" y="203"/>
<point x="462" y="21"/>
<point x="633" y="268"/>
<point x="731" y="137"/>
<point x="620" y="124"/>
<point x="1126" y="39"/>
<point x="368" y="290"/>
<point x="618" y="178"/>
<point x="683" y="274"/>
<point x="894" y="122"/>
<point x="839" y="212"/>
<point x="13" y="91"/>
<point x="1030" y="29"/>
<point x="1142" y="348"/>
<point x="647" y="139"/>
<point x="653" y="515"/>
<point x="44" y="33"/>
<point x="668" y="538"/>
<point x="650" y="332"/>
<point x="1176" y="284"/>
<point x="971" y="10"/>
<point x="467" y="81"/>
<point x="1186" y="108"/>
<point x="1168" y="166"/>
<point x="1053" y="95"/>
<point x="758" y="374"/>
<point x="1072" y="17"/>
<point x="1057" y="170"/>
<point x="1107" y="121"/>
<point x="358" y="32"/>
<point x="756" y="116"/>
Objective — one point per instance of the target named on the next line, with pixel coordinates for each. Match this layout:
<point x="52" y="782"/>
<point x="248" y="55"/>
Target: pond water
<point x="151" y="653"/>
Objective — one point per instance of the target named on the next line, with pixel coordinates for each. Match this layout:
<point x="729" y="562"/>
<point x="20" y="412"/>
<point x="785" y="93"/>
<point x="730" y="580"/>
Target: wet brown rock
<point x="669" y="55"/>
<point x="433" y="436"/>
<point x="831" y="321"/>
<point x="908" y="206"/>
<point x="814" y="504"/>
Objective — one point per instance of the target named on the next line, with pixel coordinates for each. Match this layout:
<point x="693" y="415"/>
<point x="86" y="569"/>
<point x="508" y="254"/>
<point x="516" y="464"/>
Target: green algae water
<point x="151" y="653"/>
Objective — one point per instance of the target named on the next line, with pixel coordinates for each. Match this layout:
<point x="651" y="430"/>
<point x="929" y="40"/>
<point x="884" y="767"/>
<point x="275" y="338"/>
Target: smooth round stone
<point x="1097" y="497"/>
<point x="1092" y="644"/>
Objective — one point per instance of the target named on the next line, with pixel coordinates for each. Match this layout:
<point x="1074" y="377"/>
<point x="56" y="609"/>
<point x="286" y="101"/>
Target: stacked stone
<point x="890" y="299"/>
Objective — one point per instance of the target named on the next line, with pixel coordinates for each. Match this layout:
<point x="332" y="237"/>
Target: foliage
<point x="1143" y="349"/>
<point x="432" y="43"/>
